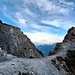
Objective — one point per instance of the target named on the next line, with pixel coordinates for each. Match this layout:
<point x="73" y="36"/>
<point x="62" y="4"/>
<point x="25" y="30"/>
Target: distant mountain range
<point x="45" y="49"/>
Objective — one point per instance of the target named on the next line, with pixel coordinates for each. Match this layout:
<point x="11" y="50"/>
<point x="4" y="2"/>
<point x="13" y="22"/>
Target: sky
<point x="43" y="21"/>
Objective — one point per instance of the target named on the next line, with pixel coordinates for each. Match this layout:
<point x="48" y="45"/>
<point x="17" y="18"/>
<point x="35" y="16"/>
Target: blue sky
<point x="43" y="21"/>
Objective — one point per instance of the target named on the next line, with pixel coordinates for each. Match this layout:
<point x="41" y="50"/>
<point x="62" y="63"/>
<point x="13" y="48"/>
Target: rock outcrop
<point x="16" y="43"/>
<point x="61" y="49"/>
<point x="68" y="43"/>
<point x="3" y="55"/>
<point x="50" y="53"/>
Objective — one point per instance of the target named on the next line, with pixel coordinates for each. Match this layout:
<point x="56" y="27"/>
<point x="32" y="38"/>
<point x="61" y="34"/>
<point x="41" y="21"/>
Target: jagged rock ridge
<point x="62" y="49"/>
<point x="15" y="42"/>
<point x="68" y="43"/>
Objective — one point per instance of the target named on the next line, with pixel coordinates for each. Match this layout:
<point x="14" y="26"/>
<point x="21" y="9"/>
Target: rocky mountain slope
<point x="66" y="49"/>
<point x="15" y="42"/>
<point x="11" y="65"/>
<point x="68" y="43"/>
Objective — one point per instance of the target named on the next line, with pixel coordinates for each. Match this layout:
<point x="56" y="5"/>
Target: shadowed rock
<point x="0" y="21"/>
<point x="3" y="55"/>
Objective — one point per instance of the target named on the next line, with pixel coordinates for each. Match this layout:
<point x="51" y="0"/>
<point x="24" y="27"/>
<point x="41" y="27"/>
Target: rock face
<point x="68" y="43"/>
<point x="61" y="50"/>
<point x="3" y="55"/>
<point x="15" y="42"/>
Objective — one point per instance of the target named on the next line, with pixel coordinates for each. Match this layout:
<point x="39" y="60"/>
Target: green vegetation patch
<point x="70" y="60"/>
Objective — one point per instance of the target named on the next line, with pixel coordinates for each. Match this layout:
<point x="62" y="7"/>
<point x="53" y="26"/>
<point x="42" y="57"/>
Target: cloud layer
<point x="44" y="38"/>
<point x="42" y="20"/>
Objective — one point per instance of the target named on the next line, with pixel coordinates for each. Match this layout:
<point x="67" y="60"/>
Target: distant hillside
<point x="45" y="49"/>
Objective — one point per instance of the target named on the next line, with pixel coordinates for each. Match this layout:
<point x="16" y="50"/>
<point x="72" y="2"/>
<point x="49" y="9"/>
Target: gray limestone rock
<point x="61" y="49"/>
<point x="15" y="42"/>
<point x="3" y="55"/>
<point x="68" y="43"/>
<point x="26" y="66"/>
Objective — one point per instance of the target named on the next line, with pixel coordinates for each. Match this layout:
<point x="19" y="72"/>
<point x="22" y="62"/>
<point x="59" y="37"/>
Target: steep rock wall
<point x="68" y="43"/>
<point x="15" y="42"/>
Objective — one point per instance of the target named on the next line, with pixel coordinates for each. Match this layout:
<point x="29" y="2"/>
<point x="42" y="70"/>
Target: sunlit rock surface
<point x="68" y="42"/>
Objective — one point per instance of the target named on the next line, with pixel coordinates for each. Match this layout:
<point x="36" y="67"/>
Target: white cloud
<point x="61" y="23"/>
<point x="24" y="10"/>
<point x="41" y="28"/>
<point x="53" y="22"/>
<point x="20" y="18"/>
<point x="66" y="2"/>
<point x="21" y="21"/>
<point x="4" y="8"/>
<point x="64" y="11"/>
<point x="30" y="13"/>
<point x="53" y="7"/>
<point x="43" y="38"/>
